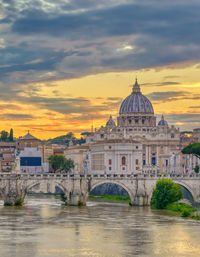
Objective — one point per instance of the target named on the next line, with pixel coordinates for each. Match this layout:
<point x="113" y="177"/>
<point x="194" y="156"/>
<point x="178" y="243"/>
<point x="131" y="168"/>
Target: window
<point x="166" y="162"/>
<point x="110" y="147"/>
<point x="102" y="135"/>
<point x="153" y="160"/>
<point x="136" y="161"/>
<point x="144" y="162"/>
<point x="172" y="135"/>
<point x="110" y="161"/>
<point x="110" y="168"/>
<point x="136" y="147"/>
<point x="129" y="121"/>
<point x="123" y="160"/>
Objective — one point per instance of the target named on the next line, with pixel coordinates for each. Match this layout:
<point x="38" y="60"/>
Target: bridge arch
<point x="128" y="190"/>
<point x="187" y="188"/>
<point x="45" y="184"/>
<point x="178" y="183"/>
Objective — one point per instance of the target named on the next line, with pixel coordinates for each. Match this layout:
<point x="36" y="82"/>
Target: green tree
<point x="196" y="169"/>
<point x="60" y="163"/>
<point x="11" y="135"/>
<point x="70" y="136"/>
<point x="68" y="164"/>
<point x="165" y="192"/>
<point x="86" y="134"/>
<point x="193" y="149"/>
<point x="4" y="136"/>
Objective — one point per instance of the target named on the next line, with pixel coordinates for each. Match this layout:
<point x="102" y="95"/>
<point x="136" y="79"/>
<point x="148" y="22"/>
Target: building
<point x="27" y="141"/>
<point x="137" y="143"/>
<point x="7" y="156"/>
<point x="31" y="160"/>
<point x="33" y="154"/>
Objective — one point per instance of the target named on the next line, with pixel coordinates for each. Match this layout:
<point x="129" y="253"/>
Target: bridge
<point x="76" y="187"/>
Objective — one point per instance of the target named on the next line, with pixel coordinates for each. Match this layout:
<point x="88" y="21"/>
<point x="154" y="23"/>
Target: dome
<point x="110" y="122"/>
<point x="136" y="102"/>
<point x="162" y="122"/>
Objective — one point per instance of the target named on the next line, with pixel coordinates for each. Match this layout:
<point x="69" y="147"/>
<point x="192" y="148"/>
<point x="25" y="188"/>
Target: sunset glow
<point x="66" y="66"/>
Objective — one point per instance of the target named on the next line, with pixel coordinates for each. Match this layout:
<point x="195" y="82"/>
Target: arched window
<point x="123" y="160"/>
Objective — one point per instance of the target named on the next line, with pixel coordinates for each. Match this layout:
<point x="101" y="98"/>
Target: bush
<point x="185" y="213"/>
<point x="19" y="202"/>
<point x="196" y="169"/>
<point x="8" y="204"/>
<point x="165" y="192"/>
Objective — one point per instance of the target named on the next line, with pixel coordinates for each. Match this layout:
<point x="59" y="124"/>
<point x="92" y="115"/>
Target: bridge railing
<point x="100" y="176"/>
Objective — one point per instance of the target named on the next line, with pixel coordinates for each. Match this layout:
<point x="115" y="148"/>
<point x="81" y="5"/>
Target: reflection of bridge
<point x="76" y="187"/>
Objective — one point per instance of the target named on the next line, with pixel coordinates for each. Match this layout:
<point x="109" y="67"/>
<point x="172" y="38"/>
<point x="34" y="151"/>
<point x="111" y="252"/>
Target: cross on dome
<point x="136" y="87"/>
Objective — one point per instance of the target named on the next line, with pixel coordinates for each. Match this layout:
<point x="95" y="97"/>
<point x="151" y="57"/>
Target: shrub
<point x="185" y="213"/>
<point x="19" y="202"/>
<point x="8" y="204"/>
<point x="196" y="169"/>
<point x="165" y="192"/>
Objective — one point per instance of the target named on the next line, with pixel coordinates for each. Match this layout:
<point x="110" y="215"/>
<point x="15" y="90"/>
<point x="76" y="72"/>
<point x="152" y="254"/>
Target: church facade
<point x="135" y="144"/>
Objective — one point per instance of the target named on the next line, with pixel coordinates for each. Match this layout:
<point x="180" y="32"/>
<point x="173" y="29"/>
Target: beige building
<point x="135" y="143"/>
<point x="7" y="156"/>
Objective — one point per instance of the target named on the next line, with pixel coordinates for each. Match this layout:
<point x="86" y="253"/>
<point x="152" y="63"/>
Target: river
<point x="45" y="228"/>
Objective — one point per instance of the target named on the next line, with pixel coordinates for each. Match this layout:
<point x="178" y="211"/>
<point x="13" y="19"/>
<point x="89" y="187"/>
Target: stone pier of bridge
<point x="76" y="187"/>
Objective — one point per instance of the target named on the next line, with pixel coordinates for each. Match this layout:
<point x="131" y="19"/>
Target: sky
<point x="66" y="65"/>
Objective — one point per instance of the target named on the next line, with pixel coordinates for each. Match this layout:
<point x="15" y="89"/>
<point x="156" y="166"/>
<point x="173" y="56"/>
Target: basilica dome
<point x="163" y="122"/>
<point x="110" y="122"/>
<point x="136" y="102"/>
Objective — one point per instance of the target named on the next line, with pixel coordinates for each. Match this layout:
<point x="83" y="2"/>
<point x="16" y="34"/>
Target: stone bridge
<point x="76" y="187"/>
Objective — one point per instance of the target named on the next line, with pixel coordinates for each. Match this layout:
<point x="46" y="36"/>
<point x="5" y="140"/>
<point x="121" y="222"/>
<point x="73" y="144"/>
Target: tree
<point x="193" y="149"/>
<point x="86" y="133"/>
<point x="165" y="192"/>
<point x="196" y="169"/>
<point x="11" y="135"/>
<point x="68" y="164"/>
<point x="4" y="136"/>
<point x="60" y="163"/>
<point x="70" y="136"/>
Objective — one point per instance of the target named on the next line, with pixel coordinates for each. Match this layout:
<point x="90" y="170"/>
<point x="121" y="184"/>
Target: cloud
<point x="195" y="107"/>
<point x="167" y="96"/>
<point x="90" y="33"/>
<point x="16" y="116"/>
<point x="160" y="84"/>
<point x="172" y="96"/>
<point x="184" y="118"/>
<point x="44" y="41"/>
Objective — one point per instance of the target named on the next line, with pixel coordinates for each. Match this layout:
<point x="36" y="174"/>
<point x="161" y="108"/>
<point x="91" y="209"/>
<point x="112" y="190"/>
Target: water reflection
<point x="45" y="228"/>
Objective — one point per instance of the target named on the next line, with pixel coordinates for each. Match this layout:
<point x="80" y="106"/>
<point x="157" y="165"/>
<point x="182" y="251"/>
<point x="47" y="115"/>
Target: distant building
<point x="47" y="150"/>
<point x="31" y="160"/>
<point x="58" y="151"/>
<point x="196" y="135"/>
<point x="78" y="154"/>
<point x="27" y="141"/>
<point x="33" y="154"/>
<point x="136" y="143"/>
<point x="7" y="155"/>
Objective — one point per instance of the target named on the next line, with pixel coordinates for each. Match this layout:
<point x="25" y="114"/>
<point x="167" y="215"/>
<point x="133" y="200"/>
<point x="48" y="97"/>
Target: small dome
<point x="110" y="123"/>
<point x="28" y="136"/>
<point x="136" y="102"/>
<point x="163" y="122"/>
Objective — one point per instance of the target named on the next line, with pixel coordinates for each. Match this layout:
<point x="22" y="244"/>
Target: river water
<point x="45" y="228"/>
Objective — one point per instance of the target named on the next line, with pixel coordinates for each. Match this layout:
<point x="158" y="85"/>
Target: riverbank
<point x="110" y="198"/>
<point x="182" y="210"/>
